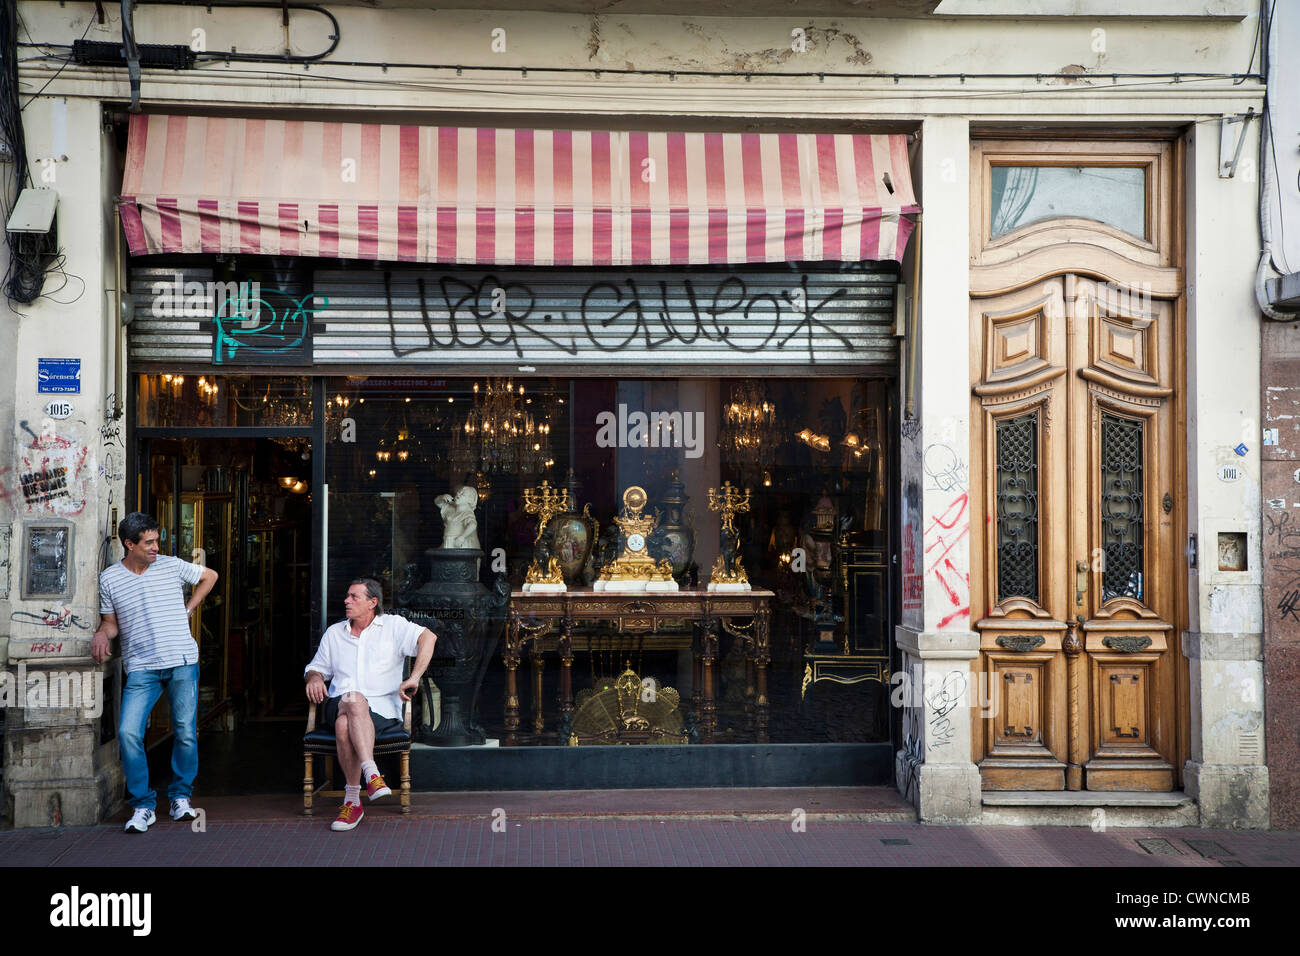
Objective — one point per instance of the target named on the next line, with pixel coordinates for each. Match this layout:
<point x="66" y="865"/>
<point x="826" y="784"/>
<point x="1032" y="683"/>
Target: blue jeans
<point x="142" y="690"/>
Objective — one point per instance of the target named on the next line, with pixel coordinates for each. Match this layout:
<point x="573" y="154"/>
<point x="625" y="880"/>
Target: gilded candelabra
<point x="545" y="502"/>
<point x="728" y="573"/>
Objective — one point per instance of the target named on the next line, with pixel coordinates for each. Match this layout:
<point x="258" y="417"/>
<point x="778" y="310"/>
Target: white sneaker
<point x="141" y="820"/>
<point x="181" y="810"/>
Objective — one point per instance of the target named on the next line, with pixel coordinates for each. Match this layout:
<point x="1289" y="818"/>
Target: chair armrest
<point x="311" y="717"/>
<point x="406" y="705"/>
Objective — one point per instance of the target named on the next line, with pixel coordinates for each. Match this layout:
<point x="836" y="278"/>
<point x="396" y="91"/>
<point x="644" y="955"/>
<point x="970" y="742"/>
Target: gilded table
<point x="743" y="614"/>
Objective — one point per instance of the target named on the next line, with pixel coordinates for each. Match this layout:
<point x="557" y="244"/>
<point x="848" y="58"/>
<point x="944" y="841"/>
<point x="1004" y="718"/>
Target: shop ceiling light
<point x="34" y="211"/>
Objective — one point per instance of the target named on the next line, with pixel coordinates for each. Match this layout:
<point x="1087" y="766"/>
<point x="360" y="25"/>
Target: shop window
<point x="185" y="399"/>
<point x="814" y="455"/>
<point x="1021" y="195"/>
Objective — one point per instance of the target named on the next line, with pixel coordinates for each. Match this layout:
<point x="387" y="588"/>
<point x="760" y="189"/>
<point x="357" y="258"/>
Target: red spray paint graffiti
<point x="952" y="526"/>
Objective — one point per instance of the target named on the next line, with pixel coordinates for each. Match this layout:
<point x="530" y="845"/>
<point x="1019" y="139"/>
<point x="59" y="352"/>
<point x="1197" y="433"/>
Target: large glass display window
<point x="419" y="468"/>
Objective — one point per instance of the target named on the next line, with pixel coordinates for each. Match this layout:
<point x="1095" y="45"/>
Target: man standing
<point x="362" y="656"/>
<point x="141" y="599"/>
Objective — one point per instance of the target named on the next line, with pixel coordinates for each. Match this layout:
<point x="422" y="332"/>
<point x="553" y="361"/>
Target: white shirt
<point x="370" y="664"/>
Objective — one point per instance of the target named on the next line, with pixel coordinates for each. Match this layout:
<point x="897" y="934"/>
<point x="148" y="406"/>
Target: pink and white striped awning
<point x="512" y="196"/>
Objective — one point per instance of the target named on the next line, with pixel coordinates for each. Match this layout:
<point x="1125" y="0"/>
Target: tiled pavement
<point x="844" y="827"/>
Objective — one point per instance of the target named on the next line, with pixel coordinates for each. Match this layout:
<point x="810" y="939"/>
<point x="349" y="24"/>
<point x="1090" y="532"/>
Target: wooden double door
<point x="1075" y="556"/>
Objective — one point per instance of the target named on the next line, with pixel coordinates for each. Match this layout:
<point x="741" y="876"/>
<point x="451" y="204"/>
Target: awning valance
<point x="486" y="196"/>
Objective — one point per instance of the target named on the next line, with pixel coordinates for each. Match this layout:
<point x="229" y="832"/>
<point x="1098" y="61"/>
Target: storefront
<point x="517" y="311"/>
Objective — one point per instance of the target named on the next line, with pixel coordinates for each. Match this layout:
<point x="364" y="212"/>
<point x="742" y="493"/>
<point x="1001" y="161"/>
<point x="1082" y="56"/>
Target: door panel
<point x="1073" y="412"/>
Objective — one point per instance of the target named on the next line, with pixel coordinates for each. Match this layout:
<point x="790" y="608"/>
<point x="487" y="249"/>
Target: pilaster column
<point x="934" y="766"/>
<point x="1224" y="645"/>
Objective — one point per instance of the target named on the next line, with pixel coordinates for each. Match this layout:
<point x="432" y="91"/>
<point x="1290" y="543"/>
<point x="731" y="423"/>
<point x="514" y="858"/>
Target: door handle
<point x="1080" y="581"/>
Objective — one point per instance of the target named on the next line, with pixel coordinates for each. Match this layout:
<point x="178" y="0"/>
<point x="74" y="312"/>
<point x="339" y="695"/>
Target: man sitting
<point x="361" y="656"/>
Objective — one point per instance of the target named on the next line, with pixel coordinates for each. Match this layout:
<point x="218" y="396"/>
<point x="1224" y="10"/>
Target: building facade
<point x="961" y="294"/>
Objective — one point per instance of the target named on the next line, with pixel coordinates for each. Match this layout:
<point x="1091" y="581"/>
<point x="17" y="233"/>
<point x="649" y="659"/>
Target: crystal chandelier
<point x="749" y="429"/>
<point x="500" y="434"/>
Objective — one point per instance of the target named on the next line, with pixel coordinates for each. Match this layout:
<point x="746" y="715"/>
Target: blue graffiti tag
<point x="284" y="330"/>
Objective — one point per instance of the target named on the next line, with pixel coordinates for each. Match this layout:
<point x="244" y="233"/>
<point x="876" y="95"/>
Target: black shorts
<point x="381" y="723"/>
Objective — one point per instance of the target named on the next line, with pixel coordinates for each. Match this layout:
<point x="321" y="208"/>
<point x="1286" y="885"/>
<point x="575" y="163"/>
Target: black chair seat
<point x="393" y="740"/>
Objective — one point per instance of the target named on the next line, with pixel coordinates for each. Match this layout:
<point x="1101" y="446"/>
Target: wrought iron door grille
<point x="1018" y="507"/>
<point x="1121" y="507"/>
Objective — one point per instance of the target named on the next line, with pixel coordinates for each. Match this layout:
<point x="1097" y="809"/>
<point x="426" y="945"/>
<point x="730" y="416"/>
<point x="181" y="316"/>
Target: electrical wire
<point x="1254" y="44"/>
<point x="58" y="71"/>
<point x="28" y="255"/>
<point x="440" y="87"/>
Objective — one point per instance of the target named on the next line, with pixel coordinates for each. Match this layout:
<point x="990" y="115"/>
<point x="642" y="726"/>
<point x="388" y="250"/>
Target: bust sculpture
<point x="459" y="526"/>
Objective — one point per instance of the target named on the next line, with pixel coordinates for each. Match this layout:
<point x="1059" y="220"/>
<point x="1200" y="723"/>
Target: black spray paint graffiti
<point x="111" y="433"/>
<point x="1287" y="606"/>
<point x="612" y="318"/>
<point x="61" y="618"/>
<point x="1282" y="549"/>
<point x="943" y="702"/>
<point x="945" y="469"/>
<point x="113" y="471"/>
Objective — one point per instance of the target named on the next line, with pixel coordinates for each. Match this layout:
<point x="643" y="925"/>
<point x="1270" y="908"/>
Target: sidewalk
<point x="840" y="827"/>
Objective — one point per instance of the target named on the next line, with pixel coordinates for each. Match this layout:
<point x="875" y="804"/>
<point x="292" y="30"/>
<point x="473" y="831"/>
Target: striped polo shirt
<point x="150" y="609"/>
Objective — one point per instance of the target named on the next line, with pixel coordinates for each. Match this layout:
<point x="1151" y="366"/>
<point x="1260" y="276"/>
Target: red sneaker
<point x="376" y="788"/>
<point x="350" y="815"/>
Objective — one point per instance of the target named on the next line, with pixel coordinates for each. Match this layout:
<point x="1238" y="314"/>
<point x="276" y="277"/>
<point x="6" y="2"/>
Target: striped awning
<point x="486" y="196"/>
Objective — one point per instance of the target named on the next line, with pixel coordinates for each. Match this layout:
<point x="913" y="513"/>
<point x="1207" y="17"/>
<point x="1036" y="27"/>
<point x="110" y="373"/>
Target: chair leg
<point x="406" y="781"/>
<point x="308" y="783"/>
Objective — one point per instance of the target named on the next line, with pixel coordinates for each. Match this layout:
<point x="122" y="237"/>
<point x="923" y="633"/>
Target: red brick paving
<point x="875" y="804"/>
<point x="575" y="828"/>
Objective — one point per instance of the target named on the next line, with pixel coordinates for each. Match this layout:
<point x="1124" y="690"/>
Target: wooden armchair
<point x="319" y="741"/>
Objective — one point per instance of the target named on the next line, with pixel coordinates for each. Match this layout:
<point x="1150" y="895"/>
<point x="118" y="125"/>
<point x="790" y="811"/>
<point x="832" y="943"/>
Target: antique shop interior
<point x="626" y="443"/>
<point x="293" y="486"/>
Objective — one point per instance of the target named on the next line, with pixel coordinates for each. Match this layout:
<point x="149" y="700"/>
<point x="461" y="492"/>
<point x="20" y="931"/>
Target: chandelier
<point x="749" y="428"/>
<point x="500" y="434"/>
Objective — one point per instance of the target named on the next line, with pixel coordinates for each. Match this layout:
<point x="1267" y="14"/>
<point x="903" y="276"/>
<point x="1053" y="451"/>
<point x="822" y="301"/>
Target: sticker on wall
<point x="1277" y="504"/>
<point x="1296" y="475"/>
<point x="61" y="375"/>
<point x="1270" y="436"/>
<point x="1241" y="449"/>
<point x="1229" y="473"/>
<point x="58" y="408"/>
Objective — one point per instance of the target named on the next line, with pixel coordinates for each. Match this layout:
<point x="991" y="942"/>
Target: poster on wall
<point x="59" y="375"/>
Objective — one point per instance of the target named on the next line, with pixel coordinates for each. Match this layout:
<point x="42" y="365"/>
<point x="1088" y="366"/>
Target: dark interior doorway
<point x="243" y="507"/>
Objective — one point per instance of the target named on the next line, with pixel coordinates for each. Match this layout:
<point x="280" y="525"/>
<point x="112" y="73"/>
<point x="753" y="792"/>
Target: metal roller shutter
<point x="581" y="321"/>
<point x="556" y="317"/>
